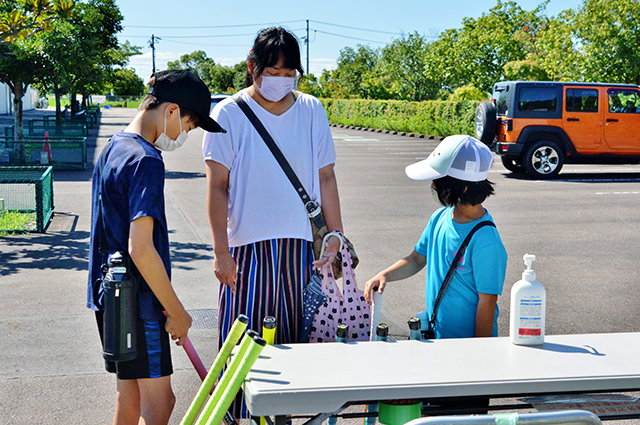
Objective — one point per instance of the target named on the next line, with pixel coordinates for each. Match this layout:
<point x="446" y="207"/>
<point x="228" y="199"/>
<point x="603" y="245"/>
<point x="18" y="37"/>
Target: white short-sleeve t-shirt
<point x="263" y="204"/>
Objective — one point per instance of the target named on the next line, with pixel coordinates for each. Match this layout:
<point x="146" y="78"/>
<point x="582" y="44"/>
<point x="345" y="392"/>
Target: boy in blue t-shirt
<point x="129" y="179"/>
<point x="458" y="168"/>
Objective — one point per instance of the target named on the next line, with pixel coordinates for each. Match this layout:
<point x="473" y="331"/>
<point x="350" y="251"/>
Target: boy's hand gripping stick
<point x="193" y="356"/>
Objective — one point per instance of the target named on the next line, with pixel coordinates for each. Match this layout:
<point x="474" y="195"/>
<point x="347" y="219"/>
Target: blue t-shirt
<point x="132" y="181"/>
<point x="482" y="269"/>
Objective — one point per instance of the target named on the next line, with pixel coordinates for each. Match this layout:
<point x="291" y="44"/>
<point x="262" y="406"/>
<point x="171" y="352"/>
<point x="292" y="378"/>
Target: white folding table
<point x="303" y="379"/>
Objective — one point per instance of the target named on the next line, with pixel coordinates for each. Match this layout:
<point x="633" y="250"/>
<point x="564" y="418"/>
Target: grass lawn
<point x="16" y="222"/>
<point x="63" y="103"/>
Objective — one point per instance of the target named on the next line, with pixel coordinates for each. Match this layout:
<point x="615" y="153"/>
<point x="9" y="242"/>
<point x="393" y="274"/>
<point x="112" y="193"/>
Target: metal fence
<point x="36" y="128"/>
<point x="66" y="153"/>
<point x="27" y="190"/>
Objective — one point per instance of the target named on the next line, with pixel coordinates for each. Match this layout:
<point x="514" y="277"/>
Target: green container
<point x="398" y="414"/>
<point x="27" y="191"/>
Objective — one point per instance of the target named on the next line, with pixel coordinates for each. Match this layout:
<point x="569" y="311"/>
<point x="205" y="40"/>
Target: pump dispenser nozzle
<point x="529" y="275"/>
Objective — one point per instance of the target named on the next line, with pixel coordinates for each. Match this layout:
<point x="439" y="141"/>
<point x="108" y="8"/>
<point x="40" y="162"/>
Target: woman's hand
<point x="226" y="270"/>
<point x="331" y="247"/>
<point x="376" y="284"/>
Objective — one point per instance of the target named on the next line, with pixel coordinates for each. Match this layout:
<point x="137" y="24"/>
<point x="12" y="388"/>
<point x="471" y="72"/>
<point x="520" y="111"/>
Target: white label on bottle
<point x="129" y="340"/>
<point x="530" y="316"/>
<point x="117" y="292"/>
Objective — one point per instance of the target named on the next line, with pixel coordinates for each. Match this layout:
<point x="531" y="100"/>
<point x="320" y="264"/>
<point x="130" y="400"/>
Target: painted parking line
<point x="595" y="180"/>
<point x="617" y="193"/>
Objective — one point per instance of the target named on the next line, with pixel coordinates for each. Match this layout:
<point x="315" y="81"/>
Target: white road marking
<point x="617" y="193"/>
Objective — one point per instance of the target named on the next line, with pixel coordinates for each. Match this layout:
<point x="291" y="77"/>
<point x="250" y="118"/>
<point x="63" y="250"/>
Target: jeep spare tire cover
<point x="485" y="122"/>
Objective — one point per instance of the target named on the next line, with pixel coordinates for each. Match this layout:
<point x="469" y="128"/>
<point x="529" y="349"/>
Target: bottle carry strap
<point x="103" y="244"/>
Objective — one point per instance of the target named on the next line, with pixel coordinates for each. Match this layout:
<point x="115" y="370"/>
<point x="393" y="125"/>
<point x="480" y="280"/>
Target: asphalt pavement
<point x="583" y="227"/>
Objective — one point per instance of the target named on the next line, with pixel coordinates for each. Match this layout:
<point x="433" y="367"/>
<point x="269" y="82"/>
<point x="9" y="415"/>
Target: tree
<point x="608" y="34"/>
<point x="559" y="56"/>
<point x="82" y="54"/>
<point x="60" y="59"/>
<point x="240" y="77"/>
<point x="353" y="66"/>
<point x="218" y="78"/>
<point x="476" y="53"/>
<point x="221" y="79"/>
<point x="527" y="70"/>
<point x="403" y="64"/>
<point x="20" y="63"/>
<point x="198" y="62"/>
<point x="20" y="19"/>
<point x="466" y="93"/>
<point x="97" y="22"/>
<point x="125" y="82"/>
<point x="309" y="84"/>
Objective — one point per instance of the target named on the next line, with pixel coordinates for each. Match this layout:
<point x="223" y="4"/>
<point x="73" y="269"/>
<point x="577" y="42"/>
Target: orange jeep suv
<point x="537" y="126"/>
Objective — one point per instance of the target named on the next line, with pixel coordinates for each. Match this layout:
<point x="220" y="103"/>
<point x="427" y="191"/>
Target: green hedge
<point x="434" y="117"/>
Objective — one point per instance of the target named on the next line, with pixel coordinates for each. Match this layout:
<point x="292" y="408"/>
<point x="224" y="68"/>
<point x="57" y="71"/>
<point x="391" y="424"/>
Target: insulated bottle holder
<point x="120" y="310"/>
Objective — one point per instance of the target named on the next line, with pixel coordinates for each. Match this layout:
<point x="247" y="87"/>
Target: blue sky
<point x="225" y="29"/>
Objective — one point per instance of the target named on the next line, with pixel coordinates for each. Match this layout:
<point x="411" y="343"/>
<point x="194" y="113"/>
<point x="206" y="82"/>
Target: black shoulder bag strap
<point x="452" y="269"/>
<point x="312" y="207"/>
<point x="103" y="245"/>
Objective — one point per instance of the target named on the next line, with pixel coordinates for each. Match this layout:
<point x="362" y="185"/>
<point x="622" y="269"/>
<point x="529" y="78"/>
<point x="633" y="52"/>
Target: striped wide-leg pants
<point x="271" y="277"/>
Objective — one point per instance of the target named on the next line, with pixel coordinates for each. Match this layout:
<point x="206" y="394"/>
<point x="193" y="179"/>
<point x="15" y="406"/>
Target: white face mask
<point x="166" y="143"/>
<point x="275" y="88"/>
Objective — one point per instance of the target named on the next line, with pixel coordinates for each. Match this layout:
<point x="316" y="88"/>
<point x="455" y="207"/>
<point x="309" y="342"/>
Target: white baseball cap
<point x="460" y="156"/>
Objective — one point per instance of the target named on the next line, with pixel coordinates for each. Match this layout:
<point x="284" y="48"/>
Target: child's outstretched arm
<point x="402" y="269"/>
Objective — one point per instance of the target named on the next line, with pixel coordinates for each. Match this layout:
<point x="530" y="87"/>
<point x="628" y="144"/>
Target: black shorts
<point x="154" y="352"/>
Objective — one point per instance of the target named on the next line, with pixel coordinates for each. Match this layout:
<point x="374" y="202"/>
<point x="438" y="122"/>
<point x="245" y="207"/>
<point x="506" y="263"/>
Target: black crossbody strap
<point x="275" y="150"/>
<point x="454" y="266"/>
<point x="103" y="244"/>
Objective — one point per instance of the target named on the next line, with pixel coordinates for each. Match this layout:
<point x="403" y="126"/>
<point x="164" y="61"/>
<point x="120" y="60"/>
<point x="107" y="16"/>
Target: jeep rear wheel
<point x="485" y="122"/>
<point x="544" y="159"/>
<point x="513" y="164"/>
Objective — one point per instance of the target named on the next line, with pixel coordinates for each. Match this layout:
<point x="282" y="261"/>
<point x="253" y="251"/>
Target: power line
<point x="209" y="36"/>
<point x="352" y="38"/>
<point x="207" y="45"/>
<point x="355" y="28"/>
<point x="217" y="26"/>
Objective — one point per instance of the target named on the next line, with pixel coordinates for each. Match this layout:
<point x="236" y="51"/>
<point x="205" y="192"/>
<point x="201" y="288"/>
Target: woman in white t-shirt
<point x="261" y="232"/>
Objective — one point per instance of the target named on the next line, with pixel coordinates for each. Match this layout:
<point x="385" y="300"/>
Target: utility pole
<point x="307" y="41"/>
<point x="152" y="44"/>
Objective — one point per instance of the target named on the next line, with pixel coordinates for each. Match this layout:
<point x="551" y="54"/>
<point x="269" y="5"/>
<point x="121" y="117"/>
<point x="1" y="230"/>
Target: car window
<point x="582" y="100"/>
<point x="215" y="99"/>
<point x="502" y="106"/>
<point x="538" y="99"/>
<point x="624" y="101"/>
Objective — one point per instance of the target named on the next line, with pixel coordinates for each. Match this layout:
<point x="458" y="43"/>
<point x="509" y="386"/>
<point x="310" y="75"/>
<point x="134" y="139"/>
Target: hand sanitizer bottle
<point x="528" y="306"/>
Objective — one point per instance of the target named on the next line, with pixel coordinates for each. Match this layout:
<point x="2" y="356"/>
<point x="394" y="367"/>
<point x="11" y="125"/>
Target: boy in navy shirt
<point x="130" y="179"/>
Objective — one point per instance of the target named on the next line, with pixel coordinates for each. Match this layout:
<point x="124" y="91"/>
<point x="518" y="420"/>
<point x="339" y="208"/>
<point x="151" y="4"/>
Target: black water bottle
<point x="414" y="328"/>
<point x="120" y="310"/>
<point x="342" y="333"/>
<point x="382" y="332"/>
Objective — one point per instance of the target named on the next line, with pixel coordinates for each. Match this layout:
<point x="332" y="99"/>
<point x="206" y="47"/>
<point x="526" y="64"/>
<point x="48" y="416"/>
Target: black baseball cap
<point x="185" y="88"/>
